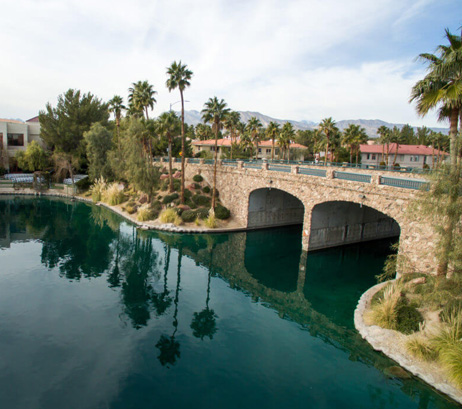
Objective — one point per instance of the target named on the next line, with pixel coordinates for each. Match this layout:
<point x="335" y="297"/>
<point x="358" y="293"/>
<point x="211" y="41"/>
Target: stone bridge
<point x="336" y="205"/>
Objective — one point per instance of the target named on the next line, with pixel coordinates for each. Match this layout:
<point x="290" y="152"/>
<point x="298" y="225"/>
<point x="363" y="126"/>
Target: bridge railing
<point x="355" y="177"/>
<point x="415" y="184"/>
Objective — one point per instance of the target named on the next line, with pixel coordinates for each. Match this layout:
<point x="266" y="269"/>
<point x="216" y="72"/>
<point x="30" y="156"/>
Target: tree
<point x="231" y="122"/>
<point x="167" y="126"/>
<point x="396" y="137"/>
<point x="179" y="78"/>
<point x="442" y="87"/>
<point x="353" y="136"/>
<point x="407" y="135"/>
<point x="33" y="158"/>
<point x="141" y="97"/>
<point x="99" y="142"/>
<point x="204" y="132"/>
<point x="328" y="128"/>
<point x="215" y="112"/>
<point x="272" y="132"/>
<point x="254" y="128"/>
<point x="116" y="106"/>
<point x="62" y="128"/>
<point x="287" y="134"/>
<point x="385" y="139"/>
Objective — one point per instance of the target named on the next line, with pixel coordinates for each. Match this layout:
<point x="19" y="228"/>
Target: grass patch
<point x="421" y="348"/>
<point x="170" y="216"/>
<point x="211" y="221"/>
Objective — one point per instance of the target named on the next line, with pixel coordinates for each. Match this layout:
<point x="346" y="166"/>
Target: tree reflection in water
<point x="169" y="348"/>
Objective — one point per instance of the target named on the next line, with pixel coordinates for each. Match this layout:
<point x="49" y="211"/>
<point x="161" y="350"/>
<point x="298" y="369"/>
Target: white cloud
<point x="253" y="53"/>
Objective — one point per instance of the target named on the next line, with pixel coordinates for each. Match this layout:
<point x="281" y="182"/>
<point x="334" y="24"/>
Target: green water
<point x="96" y="314"/>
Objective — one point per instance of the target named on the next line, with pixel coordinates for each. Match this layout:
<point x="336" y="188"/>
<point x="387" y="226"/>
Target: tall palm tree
<point x="167" y="125"/>
<point x="288" y="134"/>
<point x="385" y="139"/>
<point x="442" y="87"/>
<point x="254" y="126"/>
<point x="215" y="112"/>
<point x="179" y="78"/>
<point x="141" y="97"/>
<point x="272" y="132"/>
<point x="328" y="128"/>
<point x="396" y="136"/>
<point x="231" y="122"/>
<point x="116" y="106"/>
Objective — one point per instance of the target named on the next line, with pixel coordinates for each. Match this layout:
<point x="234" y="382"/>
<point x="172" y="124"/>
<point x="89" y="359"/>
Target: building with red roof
<point x="410" y="156"/>
<point x="264" y="148"/>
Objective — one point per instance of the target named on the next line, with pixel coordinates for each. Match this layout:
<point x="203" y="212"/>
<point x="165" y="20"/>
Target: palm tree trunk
<point x="215" y="167"/>
<point x="170" y="175"/>
<point x="453" y="120"/>
<point x="182" y="149"/>
<point x="327" y="150"/>
<point x="146" y="110"/>
<point x="396" y="153"/>
<point x="433" y="155"/>
<point x="351" y="154"/>
<point x="272" y="150"/>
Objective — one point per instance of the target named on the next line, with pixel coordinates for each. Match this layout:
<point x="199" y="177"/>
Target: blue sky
<point x="292" y="59"/>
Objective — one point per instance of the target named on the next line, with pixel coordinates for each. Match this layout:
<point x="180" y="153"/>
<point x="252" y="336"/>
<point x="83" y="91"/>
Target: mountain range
<point x="193" y="117"/>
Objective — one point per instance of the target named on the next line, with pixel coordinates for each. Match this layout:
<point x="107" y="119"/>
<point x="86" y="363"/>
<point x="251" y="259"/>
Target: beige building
<point x="16" y="135"/>
<point x="264" y="148"/>
<point x="409" y="156"/>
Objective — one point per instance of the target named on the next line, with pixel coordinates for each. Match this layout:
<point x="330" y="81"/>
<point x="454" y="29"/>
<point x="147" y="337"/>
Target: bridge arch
<point x="337" y="222"/>
<point x="271" y="207"/>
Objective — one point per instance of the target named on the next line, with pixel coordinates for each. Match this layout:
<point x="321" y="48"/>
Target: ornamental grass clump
<point x="146" y="213"/>
<point x="383" y="312"/>
<point x="211" y="221"/>
<point x="170" y="216"/>
<point x="98" y="189"/>
<point x="421" y="348"/>
<point x="113" y="195"/>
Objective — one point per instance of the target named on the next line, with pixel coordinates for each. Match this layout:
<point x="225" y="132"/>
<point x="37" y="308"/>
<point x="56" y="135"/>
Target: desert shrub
<point x="451" y="359"/>
<point x="198" y="178"/>
<point x="201" y="200"/>
<point x="170" y="216"/>
<point x="82" y="184"/>
<point x="130" y="209"/>
<point x="190" y="203"/>
<point x="408" y="319"/>
<point x="113" y="195"/>
<point x="98" y="189"/>
<point x="164" y="185"/>
<point x="145" y="213"/>
<point x="170" y="198"/>
<point x="382" y="164"/>
<point x="188" y="216"/>
<point x="211" y="221"/>
<point x="197" y="222"/>
<point x="206" y="189"/>
<point x="202" y="213"/>
<point x="452" y="308"/>
<point x="421" y="348"/>
<point x="156" y="205"/>
<point x="187" y="194"/>
<point x="197" y="186"/>
<point x="221" y="212"/>
<point x="383" y="312"/>
<point x="176" y="185"/>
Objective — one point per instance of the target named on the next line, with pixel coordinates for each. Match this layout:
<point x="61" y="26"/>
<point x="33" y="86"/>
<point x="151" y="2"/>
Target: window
<point x="414" y="158"/>
<point x="259" y="150"/>
<point x="368" y="156"/>
<point x="15" y="139"/>
<point x="373" y="156"/>
<point x="268" y="151"/>
<point x="198" y="148"/>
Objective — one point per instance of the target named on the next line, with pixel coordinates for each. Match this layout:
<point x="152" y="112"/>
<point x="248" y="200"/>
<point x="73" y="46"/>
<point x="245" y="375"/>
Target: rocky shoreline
<point x="392" y="344"/>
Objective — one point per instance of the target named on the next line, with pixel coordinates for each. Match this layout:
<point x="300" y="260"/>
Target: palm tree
<point x="167" y="125"/>
<point x="353" y="136"/>
<point x="141" y="97"/>
<point x="442" y="87"/>
<point x="283" y="142"/>
<point x="328" y="128"/>
<point x="179" y="78"/>
<point x="254" y="127"/>
<point x="272" y="132"/>
<point x="385" y="139"/>
<point x="215" y="112"/>
<point x="231" y="122"/>
<point x="116" y="106"/>
<point x="288" y="134"/>
<point x="396" y="136"/>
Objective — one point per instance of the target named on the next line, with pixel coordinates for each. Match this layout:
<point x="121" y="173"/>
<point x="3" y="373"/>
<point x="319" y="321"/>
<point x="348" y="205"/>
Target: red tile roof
<point x="11" y="121"/>
<point x="227" y="142"/>
<point x="34" y="119"/>
<point x="402" y="149"/>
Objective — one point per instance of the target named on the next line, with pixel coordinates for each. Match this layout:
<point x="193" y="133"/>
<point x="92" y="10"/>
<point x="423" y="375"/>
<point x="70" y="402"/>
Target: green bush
<point x="130" y="209"/>
<point x="198" y="178"/>
<point x="452" y="308"/>
<point x="408" y="319"/>
<point x="221" y="212"/>
<point x="170" y="198"/>
<point x="188" y="216"/>
<point x="206" y="189"/>
<point x="197" y="186"/>
<point x="83" y="184"/>
<point x="201" y="200"/>
<point x="187" y="194"/>
<point x="145" y="214"/>
<point x="202" y="213"/>
<point x="2" y="170"/>
<point x="176" y="185"/>
<point x="156" y="205"/>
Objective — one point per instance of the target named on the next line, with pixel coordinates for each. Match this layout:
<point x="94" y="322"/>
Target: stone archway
<point x="336" y="223"/>
<point x="269" y="207"/>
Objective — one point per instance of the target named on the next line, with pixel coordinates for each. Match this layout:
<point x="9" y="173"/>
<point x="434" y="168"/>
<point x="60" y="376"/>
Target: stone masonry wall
<point x="417" y="239"/>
